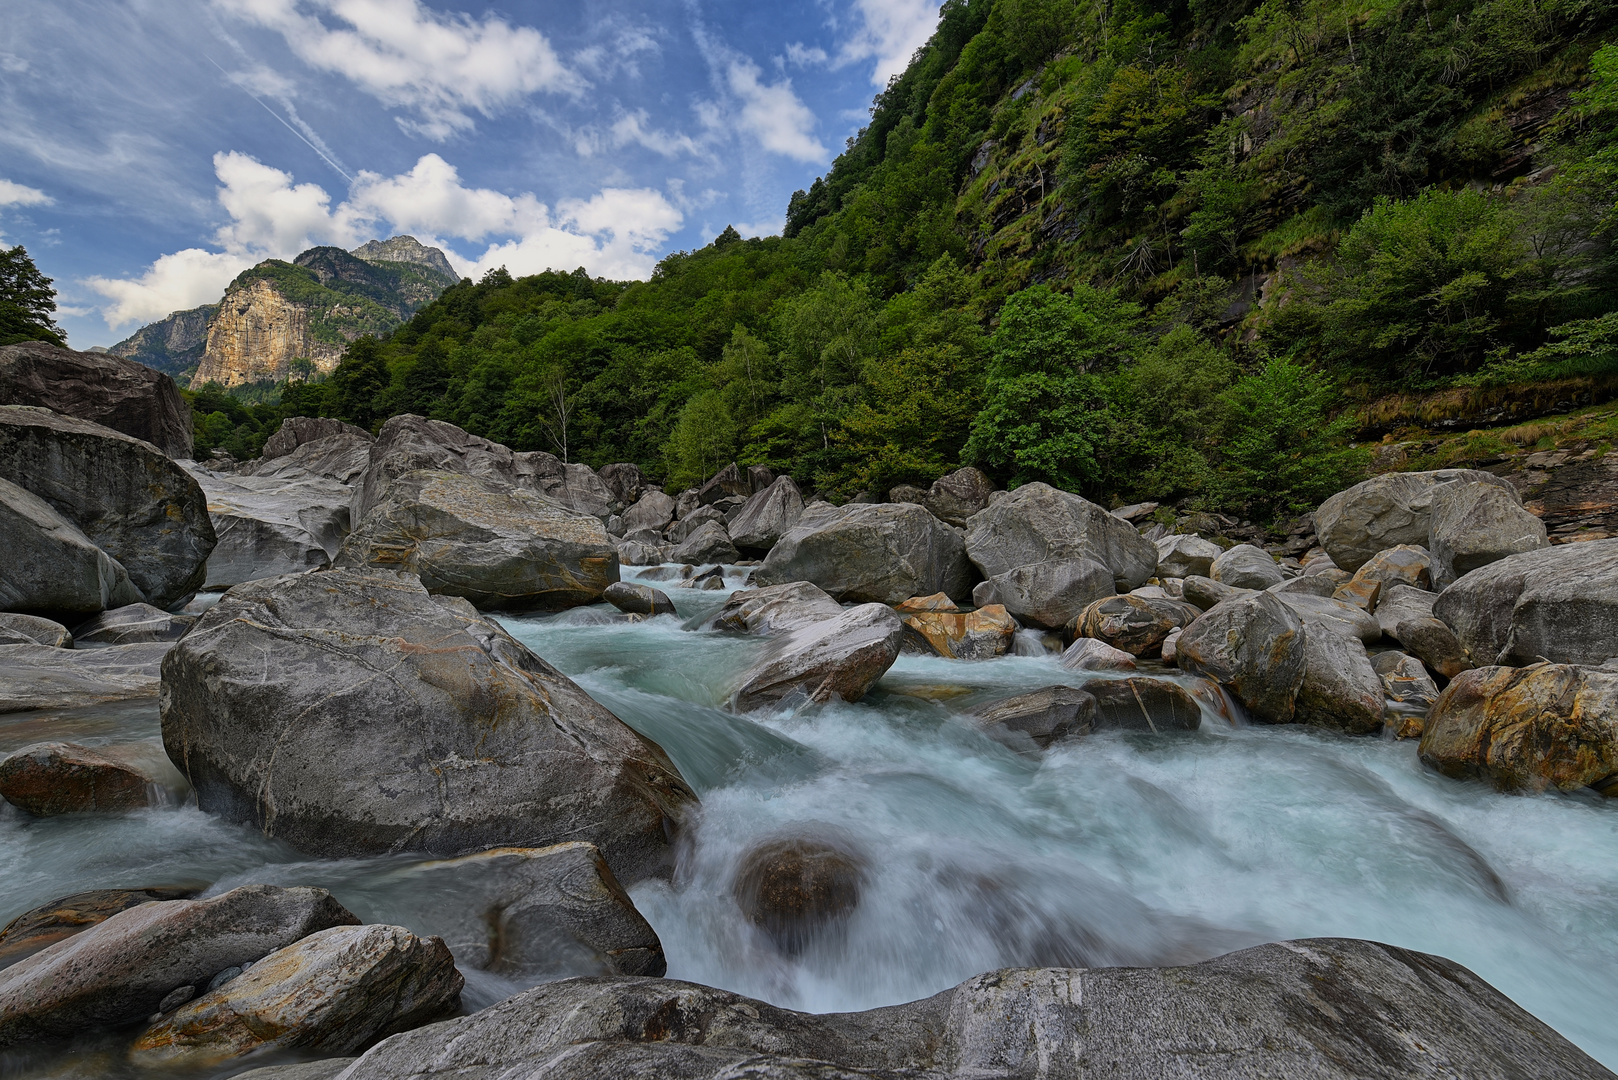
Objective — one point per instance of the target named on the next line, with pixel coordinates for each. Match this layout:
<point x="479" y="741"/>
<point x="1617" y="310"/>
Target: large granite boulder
<point x="498" y="547"/>
<point x="1474" y="525"/>
<point x="627" y="482"/>
<point x="767" y="515"/>
<point x="118" y="972"/>
<point x="341" y="458"/>
<point x="1405" y="614"/>
<point x="1254" y="645"/>
<point x="1038" y="522"/>
<point x="871" y="553"/>
<point x="53" y="566"/>
<point x="707" y="544"/>
<point x="1313" y="1009"/>
<point x="1340" y="688"/>
<point x="46" y="677"/>
<point x="350" y="713"/>
<point x="1344" y="618"/>
<point x="652" y="513"/>
<point x="955" y="497"/>
<point x="132" y="624"/>
<point x="269" y="525"/>
<point x="1186" y="555"/>
<point x="296" y="431"/>
<point x="1246" y="567"/>
<point x="840" y="657"/>
<point x="1135" y="624"/>
<point x="32" y="630"/>
<point x="101" y="388"/>
<point x="1527" y="729"/>
<point x="1558" y="604"/>
<point x="1038" y="718"/>
<point x="68" y="915"/>
<point x="1049" y="595"/>
<point x="336" y="991"/>
<point x="775" y="609"/>
<point x="125" y="495"/>
<point x="1385" y="511"/>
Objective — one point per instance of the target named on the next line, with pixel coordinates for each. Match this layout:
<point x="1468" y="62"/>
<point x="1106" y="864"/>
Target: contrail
<point x="323" y="155"/>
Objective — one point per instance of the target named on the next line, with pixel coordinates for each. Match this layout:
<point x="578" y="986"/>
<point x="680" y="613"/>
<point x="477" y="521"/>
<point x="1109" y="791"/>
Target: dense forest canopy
<point x="1141" y="250"/>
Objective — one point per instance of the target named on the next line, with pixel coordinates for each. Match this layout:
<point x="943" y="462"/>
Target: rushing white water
<point x="1111" y="849"/>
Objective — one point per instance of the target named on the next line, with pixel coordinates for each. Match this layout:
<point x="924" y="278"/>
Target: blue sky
<point x="152" y="149"/>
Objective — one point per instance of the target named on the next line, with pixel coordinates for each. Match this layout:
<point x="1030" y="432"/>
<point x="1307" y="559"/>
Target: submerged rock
<point x="1040" y="717"/>
<point x="796" y="890"/>
<point x="46" y="677"/>
<point x="840" y="657"/>
<point x="1049" y="595"/>
<point x="350" y="713"/>
<point x="1559" y="604"/>
<point x="33" y="930"/>
<point x="1037" y="523"/>
<point x="1253" y="644"/>
<point x="53" y="566"/>
<point x="1384" y="512"/>
<point x="52" y="778"/>
<point x="104" y="389"/>
<point x="882" y="553"/>
<point x="132" y="624"/>
<point x="638" y="599"/>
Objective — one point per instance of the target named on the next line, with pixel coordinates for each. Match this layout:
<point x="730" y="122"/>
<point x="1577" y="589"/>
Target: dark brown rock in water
<point x="1040" y="717"/>
<point x="47" y="779"/>
<point x="795" y="889"/>
<point x="1142" y="703"/>
<point x="62" y="918"/>
<point x="638" y="599"/>
<point x="101" y="388"/>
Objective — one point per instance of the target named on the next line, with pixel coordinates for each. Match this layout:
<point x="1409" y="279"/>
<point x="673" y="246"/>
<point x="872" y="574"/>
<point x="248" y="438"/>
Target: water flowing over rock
<point x="1142" y="703"/>
<point x="132" y="624"/>
<point x="403" y="722"/>
<point x="1186" y="555"/>
<point x="1039" y="718"/>
<point x="873" y="553"/>
<point x="498" y="547"/>
<point x="767" y="515"/>
<point x="118" y="972"/>
<point x="1406" y="615"/>
<point x="955" y="497"/>
<point x="66" y="916"/>
<point x="1474" y="525"/>
<point x="798" y="889"/>
<point x="1527" y="729"/>
<point x="32" y="630"/>
<point x="1037" y="522"/>
<point x="53" y="566"/>
<point x="99" y="387"/>
<point x="1406" y="683"/>
<point x="125" y="495"/>
<point x="46" y="677"/>
<point x="1050" y="595"/>
<point x="1246" y="567"/>
<point x="840" y="657"/>
<point x="707" y="543"/>
<point x="1254" y="645"/>
<point x="336" y="991"/>
<point x="1391" y="1014"/>
<point x="1558" y="604"/>
<point x="53" y="778"/>
<point x="1385" y="511"/>
<point x="638" y="599"/>
<point x="775" y="609"/>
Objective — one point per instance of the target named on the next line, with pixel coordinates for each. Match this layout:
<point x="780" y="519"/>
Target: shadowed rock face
<point x="53" y="566"/>
<point x="104" y="389"/>
<point x="350" y="713"/>
<point x="1315" y="1009"/>
<point x="795" y="890"/>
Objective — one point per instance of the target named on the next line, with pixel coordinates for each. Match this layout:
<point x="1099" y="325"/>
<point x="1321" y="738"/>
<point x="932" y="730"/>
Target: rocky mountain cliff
<point x="279" y="313"/>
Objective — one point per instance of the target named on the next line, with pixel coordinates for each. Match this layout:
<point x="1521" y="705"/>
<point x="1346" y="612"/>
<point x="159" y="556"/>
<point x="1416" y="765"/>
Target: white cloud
<point x="773" y="113"/>
<point x="442" y="67"/>
<point x="269" y="213"/>
<point x="801" y="55"/>
<point x="185" y="279"/>
<point x="21" y="195"/>
<point x="770" y="226"/>
<point x="891" y="32"/>
<point x="615" y="234"/>
<point x="431" y="199"/>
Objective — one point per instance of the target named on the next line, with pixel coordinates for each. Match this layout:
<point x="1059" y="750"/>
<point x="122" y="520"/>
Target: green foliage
<point x="26" y="301"/>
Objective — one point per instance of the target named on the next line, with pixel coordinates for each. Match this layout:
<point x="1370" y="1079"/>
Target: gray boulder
<point x="1313" y="1009"/>
<point x="1335" y="615"/>
<point x="1306" y="585"/>
<point x="760" y="477"/>
<point x="1407" y="564"/>
<point x="881" y="553"/>
<point x="1405" y="614"/>
<point x="125" y="495"/>
<point x="696" y="519"/>
<point x="767" y="516"/>
<point x="1048" y="595"/>
<point x="1383" y="512"/>
<point x="1406" y="682"/>
<point x="101" y="388"/>
<point x="708" y="543"/>
<point x="1035" y="720"/>
<point x="840" y="657"/>
<point x="1186" y="555"/>
<point x="1558" y="604"/>
<point x="118" y="972"/>
<point x="1135" y="624"/>
<point x="32" y="630"/>
<point x="1093" y="654"/>
<point x="1340" y="688"/>
<point x="341" y="458"/>
<point x="46" y="677"/>
<point x="296" y="431"/>
<point x="53" y="566"/>
<point x="1254" y="645"/>
<point x="1246" y="567"/>
<point x="724" y="484"/>
<point x="627" y="482"/>
<point x="350" y="713"/>
<point x="1037" y="522"/>
<point x="131" y="624"/>
<point x="1205" y="592"/>
<point x="636" y="599"/>
<point x="498" y="547"/>
<point x="1474" y="525"/>
<point x="955" y="497"/>
<point x="775" y="609"/>
<point x="652" y="512"/>
<point x="269" y="525"/>
<point x="640" y="553"/>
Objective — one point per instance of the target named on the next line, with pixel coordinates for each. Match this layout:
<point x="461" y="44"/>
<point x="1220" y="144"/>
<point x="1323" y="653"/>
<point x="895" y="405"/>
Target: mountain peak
<point x="406" y="249"/>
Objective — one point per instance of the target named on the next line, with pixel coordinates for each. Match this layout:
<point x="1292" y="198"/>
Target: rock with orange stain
<point x="53" y="778"/>
<point x="1135" y="624"/>
<point x="33" y="930"/>
<point x="961" y="635"/>
<point x="1252" y="644"/>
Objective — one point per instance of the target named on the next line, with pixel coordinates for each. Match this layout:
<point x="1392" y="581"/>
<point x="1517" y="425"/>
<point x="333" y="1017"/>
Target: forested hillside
<point x="1140" y="250"/>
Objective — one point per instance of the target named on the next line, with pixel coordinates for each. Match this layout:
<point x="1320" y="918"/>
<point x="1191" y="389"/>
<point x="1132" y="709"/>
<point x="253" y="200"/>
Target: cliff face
<point x="170" y="345"/>
<point x="407" y="249"/>
<point x="256" y="335"/>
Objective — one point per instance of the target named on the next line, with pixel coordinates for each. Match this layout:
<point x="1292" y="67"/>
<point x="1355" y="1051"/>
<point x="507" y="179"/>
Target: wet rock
<point x="119" y="971"/>
<point x="635" y="553"/>
<point x="1135" y="624"/>
<point x="955" y="497"/>
<point x="708" y="543"/>
<point x="710" y="580"/>
<point x="1527" y="729"/>
<point x="1335" y="615"/>
<point x="468" y="742"/>
<point x="274" y="524"/>
<point x="1391" y="1014"/>
<point x="553" y="912"/>
<point x="501" y="549"/>
<point x="32" y="630"/>
<point x="1559" y="604"/>
<point x="1091" y="654"/>
<point x="776" y="609"/>
<point x="1407" y="564"/>
<point x="976" y="635"/>
<point x="767" y="516"/>
<point x="1405" y="614"/>
<point x="654" y="511"/>
<point x="33" y="930"/>
<point x="1384" y="512"/>
<point x="1409" y="688"/>
<point x="52" y="778"/>
<point x="131" y="624"/>
<point x="1205" y="592"/>
<point x="638" y="599"/>
<point x="1049" y="595"/>
<point x="1254" y="645"/>
<point x="864" y="553"/>
<point x="1142" y="703"/>
<point x="1038" y="718"/>
<point x="54" y="567"/>
<point x="1340" y="689"/>
<point x="840" y="657"/>
<point x="1186" y="555"/>
<point x="725" y="483"/>
<point x="45" y="677"/>
<point x="125" y="495"/>
<point x="1476" y="524"/>
<point x="628" y="483"/>
<point x="937" y="602"/>
<point x="1170" y="645"/>
<point x="104" y="389"/>
<point x="795" y="890"/>
<point x="1246" y="567"/>
<point x="336" y="991"/>
<point x="1037" y="523"/>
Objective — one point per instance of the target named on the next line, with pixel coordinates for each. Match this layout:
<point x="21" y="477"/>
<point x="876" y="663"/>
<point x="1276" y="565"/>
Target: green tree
<point x="1169" y="414"/>
<point x="703" y="441"/>
<point x="26" y="301"/>
<point x="361" y="377"/>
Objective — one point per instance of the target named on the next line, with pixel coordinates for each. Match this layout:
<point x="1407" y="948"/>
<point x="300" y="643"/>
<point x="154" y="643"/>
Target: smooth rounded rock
<point x="707" y="543"/>
<point x="1475" y="524"/>
<point x="1558" y="604"/>
<point x="53" y="566"/>
<point x="1039" y="718"/>
<point x="1135" y="624"/>
<point x="1143" y="703"/>
<point x="1037" y="522"/>
<point x="1049" y="595"/>
<point x="775" y="609"/>
<point x="796" y="889"/>
<point x="1254" y="645"/>
<point x="767" y="515"/>
<point x="1384" y="512"/>
<point x="66" y="916"/>
<point x="839" y="657"/>
<point x="1186" y="555"/>
<point x="46" y="677"/>
<point x="18" y="629"/>
<point x="53" y="778"/>
<point x="1405" y="614"/>
<point x="102" y="388"/>
<point x="883" y="553"/>
<point x="638" y="599"/>
<point x="1092" y="654"/>
<point x="132" y="624"/>
<point x="955" y="497"/>
<point x="1246" y="567"/>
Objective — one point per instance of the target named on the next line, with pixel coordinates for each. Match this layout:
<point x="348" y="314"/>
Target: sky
<point x="151" y="150"/>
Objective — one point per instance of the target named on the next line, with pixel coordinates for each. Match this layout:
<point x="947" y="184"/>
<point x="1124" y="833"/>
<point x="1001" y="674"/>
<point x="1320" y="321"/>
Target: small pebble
<point x="176" y="997"/>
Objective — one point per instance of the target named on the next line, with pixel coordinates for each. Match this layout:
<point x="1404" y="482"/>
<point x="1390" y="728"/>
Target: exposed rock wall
<point x="255" y="337"/>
